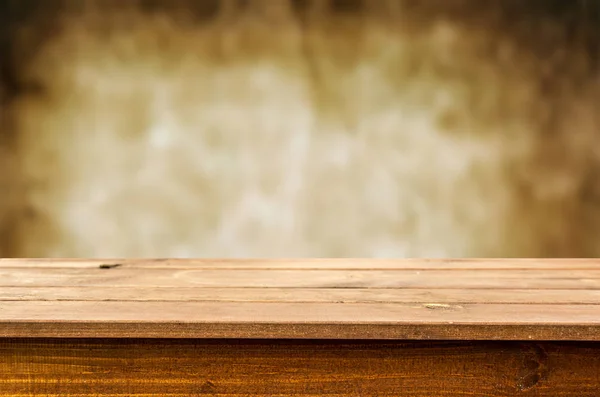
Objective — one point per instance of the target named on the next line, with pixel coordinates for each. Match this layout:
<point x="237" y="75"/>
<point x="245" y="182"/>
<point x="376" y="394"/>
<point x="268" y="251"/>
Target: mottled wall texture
<point x="280" y="128"/>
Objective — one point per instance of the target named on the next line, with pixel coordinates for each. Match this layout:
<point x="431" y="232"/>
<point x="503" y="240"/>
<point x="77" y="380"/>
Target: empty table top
<point x="500" y="299"/>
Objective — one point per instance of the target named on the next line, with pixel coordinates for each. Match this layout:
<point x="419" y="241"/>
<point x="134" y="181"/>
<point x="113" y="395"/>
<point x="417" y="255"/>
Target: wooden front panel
<point x="155" y="367"/>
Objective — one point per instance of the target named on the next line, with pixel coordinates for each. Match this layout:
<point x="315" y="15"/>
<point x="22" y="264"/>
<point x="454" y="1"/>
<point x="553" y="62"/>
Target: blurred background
<point x="299" y="128"/>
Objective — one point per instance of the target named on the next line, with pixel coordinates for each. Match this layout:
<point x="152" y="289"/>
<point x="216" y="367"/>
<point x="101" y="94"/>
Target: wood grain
<point x="324" y="278"/>
<point x="315" y="264"/>
<point x="299" y="328"/>
<point x="287" y="368"/>
<point x="403" y="299"/>
<point x="299" y="295"/>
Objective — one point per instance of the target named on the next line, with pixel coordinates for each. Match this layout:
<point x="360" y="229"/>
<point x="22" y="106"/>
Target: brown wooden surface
<point x="354" y="299"/>
<point x="315" y="264"/>
<point x="301" y="368"/>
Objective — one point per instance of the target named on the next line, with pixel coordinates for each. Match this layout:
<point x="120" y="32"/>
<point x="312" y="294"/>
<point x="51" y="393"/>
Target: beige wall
<point x="439" y="129"/>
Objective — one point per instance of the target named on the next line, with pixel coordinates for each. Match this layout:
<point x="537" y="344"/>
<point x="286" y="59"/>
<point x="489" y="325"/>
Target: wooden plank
<point x="299" y="295"/>
<point x="224" y="278"/>
<point x="310" y="301"/>
<point x="311" y="368"/>
<point x="299" y="320"/>
<point x="315" y="264"/>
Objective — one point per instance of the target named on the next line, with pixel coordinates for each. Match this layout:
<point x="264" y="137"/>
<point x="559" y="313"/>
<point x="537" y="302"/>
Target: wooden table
<point x="300" y="328"/>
